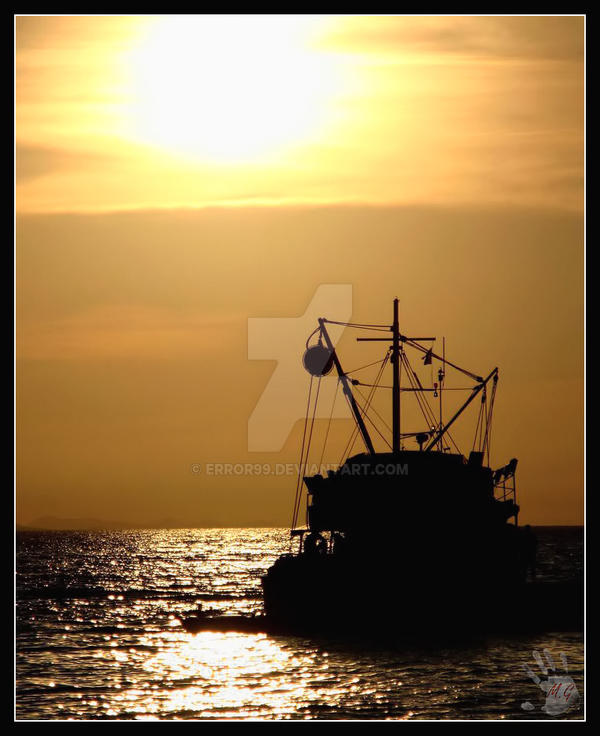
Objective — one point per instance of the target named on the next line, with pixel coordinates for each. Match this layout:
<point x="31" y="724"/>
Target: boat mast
<point x="396" y="354"/>
<point x="395" y="359"/>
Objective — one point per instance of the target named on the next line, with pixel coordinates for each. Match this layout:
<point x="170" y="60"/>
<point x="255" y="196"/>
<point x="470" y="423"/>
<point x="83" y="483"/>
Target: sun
<point x="230" y="88"/>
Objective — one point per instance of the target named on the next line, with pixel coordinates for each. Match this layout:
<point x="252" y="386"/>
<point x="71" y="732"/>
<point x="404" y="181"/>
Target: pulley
<point x="318" y="360"/>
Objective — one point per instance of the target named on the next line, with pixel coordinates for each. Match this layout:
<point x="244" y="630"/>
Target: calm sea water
<point x="98" y="638"/>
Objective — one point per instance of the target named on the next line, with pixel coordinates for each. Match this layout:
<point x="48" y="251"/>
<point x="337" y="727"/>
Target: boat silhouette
<point x="419" y="540"/>
<point x="412" y="539"/>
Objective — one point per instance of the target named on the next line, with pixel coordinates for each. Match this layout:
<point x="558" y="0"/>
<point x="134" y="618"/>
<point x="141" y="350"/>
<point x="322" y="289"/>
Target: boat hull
<point x="317" y="596"/>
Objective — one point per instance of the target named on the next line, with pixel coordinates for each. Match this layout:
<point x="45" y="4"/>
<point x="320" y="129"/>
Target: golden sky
<point x="120" y="113"/>
<point x="177" y="175"/>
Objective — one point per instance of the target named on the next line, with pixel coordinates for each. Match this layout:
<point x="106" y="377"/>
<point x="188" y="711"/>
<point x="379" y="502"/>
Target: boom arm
<point x="347" y="390"/>
<point x="447" y="426"/>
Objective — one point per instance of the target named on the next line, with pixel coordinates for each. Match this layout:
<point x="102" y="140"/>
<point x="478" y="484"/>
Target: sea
<point x="98" y="637"/>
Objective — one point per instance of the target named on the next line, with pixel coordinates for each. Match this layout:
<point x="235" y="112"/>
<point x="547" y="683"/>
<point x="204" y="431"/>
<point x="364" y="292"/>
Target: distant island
<point x="54" y="523"/>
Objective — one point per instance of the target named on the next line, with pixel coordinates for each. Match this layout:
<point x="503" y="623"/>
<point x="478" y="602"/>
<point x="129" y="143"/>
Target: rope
<point x="423" y="389"/>
<point x="434" y="355"/>
<point x="488" y="428"/>
<point x="372" y="422"/>
<point x="449" y="436"/>
<point x="426" y="409"/>
<point x="312" y="424"/>
<point x="354" y="434"/>
<point x="337" y="385"/>
<point x="378" y="328"/>
<point x="311" y="334"/>
<point x="479" y="426"/>
<point x="375" y="362"/>
<point x="348" y="449"/>
<point x="374" y="410"/>
<point x="298" y="481"/>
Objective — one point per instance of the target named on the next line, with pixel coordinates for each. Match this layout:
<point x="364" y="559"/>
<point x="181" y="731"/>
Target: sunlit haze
<point x="229" y="88"/>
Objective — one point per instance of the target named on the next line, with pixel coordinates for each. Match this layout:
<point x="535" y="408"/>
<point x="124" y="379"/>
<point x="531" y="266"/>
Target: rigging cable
<point x="446" y="361"/>
<point x="482" y="415"/>
<point x="423" y="389"/>
<point x="488" y="428"/>
<point x="312" y="424"/>
<point x="314" y="332"/>
<point x="370" y="397"/>
<point x="337" y="385"/>
<point x="299" y="479"/>
<point x="366" y="416"/>
<point x="374" y="410"/>
<point x="368" y="365"/>
<point x="354" y="434"/>
<point x="377" y="328"/>
<point x="426" y="409"/>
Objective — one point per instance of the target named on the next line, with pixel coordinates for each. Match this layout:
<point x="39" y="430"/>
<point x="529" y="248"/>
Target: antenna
<point x="396" y="384"/>
<point x="441" y="376"/>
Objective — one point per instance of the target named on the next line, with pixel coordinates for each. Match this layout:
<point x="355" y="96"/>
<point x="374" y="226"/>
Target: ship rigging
<point x="321" y="357"/>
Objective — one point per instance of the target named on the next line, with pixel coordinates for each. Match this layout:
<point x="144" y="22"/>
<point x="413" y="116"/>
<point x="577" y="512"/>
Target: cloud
<point x="33" y="162"/>
<point x="542" y="37"/>
<point x="41" y="32"/>
<point x="431" y="109"/>
<point x="121" y="331"/>
<point x="134" y="329"/>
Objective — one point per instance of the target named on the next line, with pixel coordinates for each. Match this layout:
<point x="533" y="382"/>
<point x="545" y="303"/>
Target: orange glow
<point x="177" y="175"/>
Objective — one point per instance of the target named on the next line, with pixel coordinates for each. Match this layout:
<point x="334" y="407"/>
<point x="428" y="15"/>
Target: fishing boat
<point x="415" y="535"/>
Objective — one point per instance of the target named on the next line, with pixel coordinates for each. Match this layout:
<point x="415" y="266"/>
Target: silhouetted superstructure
<point x="409" y="538"/>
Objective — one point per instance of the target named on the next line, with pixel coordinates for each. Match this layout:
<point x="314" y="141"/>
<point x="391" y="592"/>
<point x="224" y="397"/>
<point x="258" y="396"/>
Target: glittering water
<point x="98" y="637"/>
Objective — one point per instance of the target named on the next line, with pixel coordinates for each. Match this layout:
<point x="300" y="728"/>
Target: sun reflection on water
<point x="227" y="675"/>
<point x="117" y="650"/>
